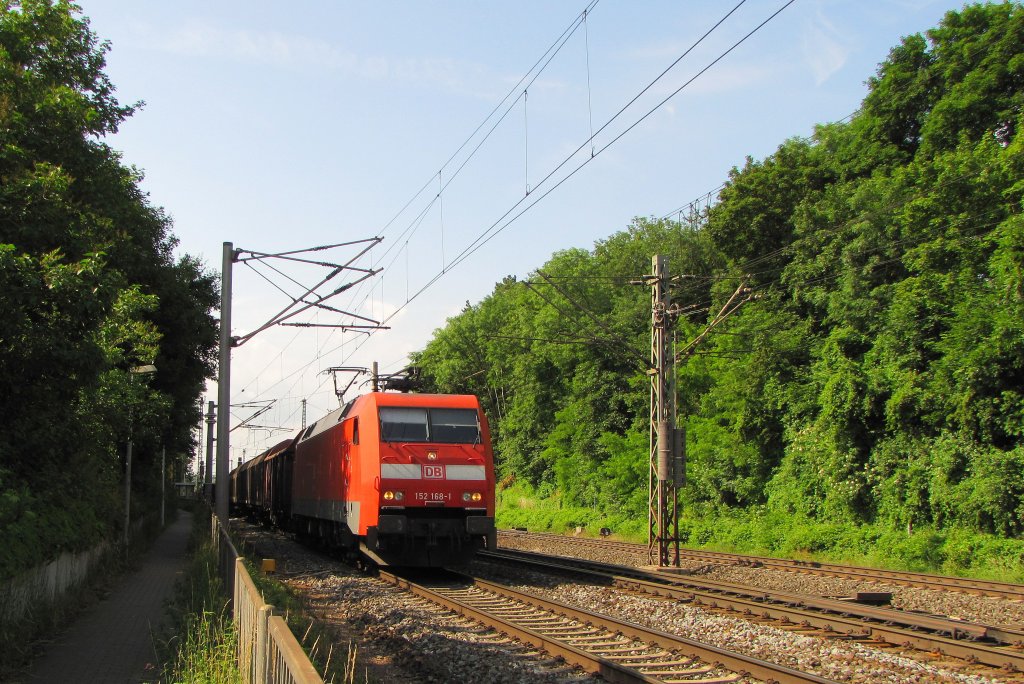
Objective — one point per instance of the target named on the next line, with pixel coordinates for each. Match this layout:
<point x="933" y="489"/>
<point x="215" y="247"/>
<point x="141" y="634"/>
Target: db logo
<point x="433" y="472"/>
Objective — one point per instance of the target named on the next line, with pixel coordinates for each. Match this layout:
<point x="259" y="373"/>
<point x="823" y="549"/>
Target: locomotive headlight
<point x="477" y="496"/>
<point x="389" y="496"/>
<point x="471" y="496"/>
<point x="465" y="496"/>
<point x="399" y="496"/>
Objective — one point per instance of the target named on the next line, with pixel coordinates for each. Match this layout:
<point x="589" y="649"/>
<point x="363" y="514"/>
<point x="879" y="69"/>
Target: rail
<point x="268" y="652"/>
<point x="992" y="588"/>
<point x="986" y="645"/>
<point x="620" y="652"/>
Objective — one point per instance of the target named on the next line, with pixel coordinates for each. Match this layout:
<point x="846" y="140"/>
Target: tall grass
<point x="206" y="652"/>
<point x="203" y="643"/>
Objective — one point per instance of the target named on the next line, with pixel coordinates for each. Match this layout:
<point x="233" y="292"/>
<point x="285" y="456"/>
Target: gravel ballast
<point x="401" y="638"/>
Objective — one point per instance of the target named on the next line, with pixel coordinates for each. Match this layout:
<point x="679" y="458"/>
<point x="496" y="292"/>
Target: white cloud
<point x="824" y="49"/>
<point x="292" y="51"/>
<point x="261" y="47"/>
<point x="380" y="310"/>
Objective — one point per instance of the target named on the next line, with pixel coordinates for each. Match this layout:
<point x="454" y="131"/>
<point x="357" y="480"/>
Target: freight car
<point x="407" y="479"/>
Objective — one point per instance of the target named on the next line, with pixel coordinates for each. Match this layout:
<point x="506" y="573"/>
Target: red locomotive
<point x="408" y="479"/>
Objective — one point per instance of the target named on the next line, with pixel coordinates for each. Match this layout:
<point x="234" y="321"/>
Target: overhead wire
<point x="764" y="257"/>
<point x="497" y="227"/>
<point x="485" y="237"/>
<point x="494" y="228"/>
<point x="537" y="69"/>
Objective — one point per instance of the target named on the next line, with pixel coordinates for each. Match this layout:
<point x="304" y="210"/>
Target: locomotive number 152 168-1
<point x="433" y="496"/>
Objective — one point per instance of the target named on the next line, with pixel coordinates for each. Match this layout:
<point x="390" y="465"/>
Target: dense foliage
<point x="878" y="378"/>
<point x="89" y="290"/>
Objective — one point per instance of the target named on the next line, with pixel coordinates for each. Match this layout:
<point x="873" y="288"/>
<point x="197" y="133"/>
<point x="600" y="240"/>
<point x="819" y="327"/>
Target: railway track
<point x="618" y="651"/>
<point x="409" y="633"/>
<point x="1002" y="590"/>
<point x="996" y="647"/>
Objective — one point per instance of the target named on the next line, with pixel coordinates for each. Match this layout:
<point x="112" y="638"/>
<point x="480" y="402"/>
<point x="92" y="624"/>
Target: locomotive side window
<point x="355" y="430"/>
<point x="402" y="424"/>
<point x="454" y="426"/>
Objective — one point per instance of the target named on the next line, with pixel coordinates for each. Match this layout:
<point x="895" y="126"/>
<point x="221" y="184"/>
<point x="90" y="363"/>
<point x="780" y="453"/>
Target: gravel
<point x="842" y="660"/>
<point x="400" y="638"/>
<point x="403" y="639"/>
<point x="981" y="609"/>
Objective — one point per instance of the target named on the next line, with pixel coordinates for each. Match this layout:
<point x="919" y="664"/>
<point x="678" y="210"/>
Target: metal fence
<point x="268" y="652"/>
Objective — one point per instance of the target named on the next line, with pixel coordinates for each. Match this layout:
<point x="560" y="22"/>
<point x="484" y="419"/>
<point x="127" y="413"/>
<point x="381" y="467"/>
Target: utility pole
<point x="308" y="300"/>
<point x="211" y="420"/>
<point x="163" y="484"/>
<point x="303" y="414"/>
<point x="224" y="386"/>
<point x="667" y="441"/>
<point x="667" y="469"/>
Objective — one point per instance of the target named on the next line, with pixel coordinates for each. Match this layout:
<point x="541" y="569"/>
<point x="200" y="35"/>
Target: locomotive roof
<point x="411" y="399"/>
<point x="389" y="399"/>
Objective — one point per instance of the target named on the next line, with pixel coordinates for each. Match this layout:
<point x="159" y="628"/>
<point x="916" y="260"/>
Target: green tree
<point x="876" y="379"/>
<point x="90" y="289"/>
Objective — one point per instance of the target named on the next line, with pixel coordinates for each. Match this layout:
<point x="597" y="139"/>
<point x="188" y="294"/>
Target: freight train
<point x="406" y="479"/>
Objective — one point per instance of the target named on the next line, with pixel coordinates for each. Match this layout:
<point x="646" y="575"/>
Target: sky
<point x="475" y="138"/>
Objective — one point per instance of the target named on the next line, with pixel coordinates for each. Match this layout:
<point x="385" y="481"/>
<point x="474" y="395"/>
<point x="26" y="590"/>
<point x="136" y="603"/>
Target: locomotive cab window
<point x="454" y="426"/>
<point x="402" y="424"/>
<point x="440" y="425"/>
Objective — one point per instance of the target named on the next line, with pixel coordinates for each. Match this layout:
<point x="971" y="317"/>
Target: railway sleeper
<point x="633" y="652"/>
<point x="636" y="660"/>
<point x="570" y="630"/>
<point x="540" y="623"/>
<point x="508" y="613"/>
<point x="599" y="643"/>
<point x="519" y="617"/>
<point x="674" y="672"/>
<point x="684" y="662"/>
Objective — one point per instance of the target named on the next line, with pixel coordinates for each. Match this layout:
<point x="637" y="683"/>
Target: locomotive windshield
<point x="439" y="425"/>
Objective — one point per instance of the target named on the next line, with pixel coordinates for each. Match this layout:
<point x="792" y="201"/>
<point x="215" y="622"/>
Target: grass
<point x="520" y="506"/>
<point x="201" y="644"/>
<point x="206" y="651"/>
<point x="756" y="531"/>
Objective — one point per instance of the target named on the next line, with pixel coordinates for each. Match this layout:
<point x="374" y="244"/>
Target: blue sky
<point x="279" y="126"/>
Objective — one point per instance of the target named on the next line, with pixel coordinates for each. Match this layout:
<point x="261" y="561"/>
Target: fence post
<point x="245" y="622"/>
<point x="236" y="587"/>
<point x="261" y="668"/>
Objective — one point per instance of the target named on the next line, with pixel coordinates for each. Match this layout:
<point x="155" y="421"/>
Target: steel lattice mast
<point x="665" y="442"/>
